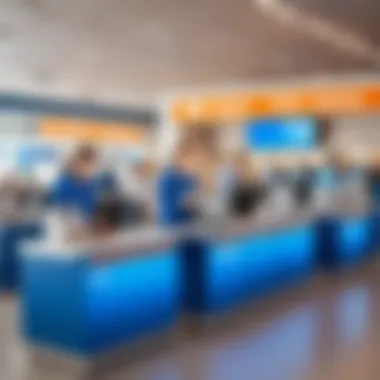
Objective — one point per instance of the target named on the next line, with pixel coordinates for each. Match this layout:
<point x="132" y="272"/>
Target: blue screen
<point x="298" y="133"/>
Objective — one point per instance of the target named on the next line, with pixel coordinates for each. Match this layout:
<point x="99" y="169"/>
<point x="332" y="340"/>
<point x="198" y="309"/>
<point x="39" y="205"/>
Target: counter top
<point x="122" y="244"/>
<point x="19" y="219"/>
<point x="151" y="239"/>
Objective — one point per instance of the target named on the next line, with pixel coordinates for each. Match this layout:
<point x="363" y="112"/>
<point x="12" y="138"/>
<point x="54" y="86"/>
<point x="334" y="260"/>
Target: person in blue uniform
<point x="178" y="188"/>
<point x="373" y="194"/>
<point x="108" y="185"/>
<point x="76" y="187"/>
<point x="373" y="180"/>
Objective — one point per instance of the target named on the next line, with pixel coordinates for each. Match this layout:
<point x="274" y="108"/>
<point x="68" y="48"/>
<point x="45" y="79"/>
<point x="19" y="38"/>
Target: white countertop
<point x="142" y="240"/>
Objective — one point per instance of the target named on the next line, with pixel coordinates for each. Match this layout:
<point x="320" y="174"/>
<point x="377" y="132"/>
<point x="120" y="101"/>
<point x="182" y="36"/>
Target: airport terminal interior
<point x="189" y="190"/>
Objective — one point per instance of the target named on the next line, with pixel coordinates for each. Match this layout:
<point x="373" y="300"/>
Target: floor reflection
<point x="352" y="314"/>
<point x="320" y="333"/>
<point x="281" y="348"/>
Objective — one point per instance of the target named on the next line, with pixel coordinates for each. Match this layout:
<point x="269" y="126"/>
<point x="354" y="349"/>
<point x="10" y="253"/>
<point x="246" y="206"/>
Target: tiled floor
<point x="328" y="329"/>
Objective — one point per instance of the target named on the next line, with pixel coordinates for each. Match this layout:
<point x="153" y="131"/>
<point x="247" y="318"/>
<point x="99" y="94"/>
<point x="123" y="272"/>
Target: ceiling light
<point x="320" y="28"/>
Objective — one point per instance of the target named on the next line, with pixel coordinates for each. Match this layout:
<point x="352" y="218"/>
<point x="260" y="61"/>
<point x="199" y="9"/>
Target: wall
<point x="357" y="131"/>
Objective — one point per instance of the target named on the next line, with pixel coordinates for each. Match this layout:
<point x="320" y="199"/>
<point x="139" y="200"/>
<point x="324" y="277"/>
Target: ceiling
<point x="361" y="16"/>
<point x="132" y="50"/>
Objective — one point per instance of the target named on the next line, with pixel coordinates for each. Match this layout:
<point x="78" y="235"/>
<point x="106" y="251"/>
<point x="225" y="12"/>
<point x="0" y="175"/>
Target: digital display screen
<point x="298" y="133"/>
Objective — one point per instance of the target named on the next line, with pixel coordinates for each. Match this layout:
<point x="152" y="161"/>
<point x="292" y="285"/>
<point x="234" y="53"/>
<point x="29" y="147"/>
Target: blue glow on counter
<point x="241" y="268"/>
<point x="132" y="298"/>
<point x="222" y="275"/>
<point x="88" y="308"/>
<point x="354" y="240"/>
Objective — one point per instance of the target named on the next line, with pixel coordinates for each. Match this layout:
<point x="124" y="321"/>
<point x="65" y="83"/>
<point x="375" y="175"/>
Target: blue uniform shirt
<point x="174" y="188"/>
<point x="106" y="184"/>
<point x="71" y="192"/>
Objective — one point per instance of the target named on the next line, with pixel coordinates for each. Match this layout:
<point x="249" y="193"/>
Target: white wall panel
<point x="357" y="132"/>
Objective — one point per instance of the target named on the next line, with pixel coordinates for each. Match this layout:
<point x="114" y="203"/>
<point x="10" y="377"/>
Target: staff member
<point x="178" y="187"/>
<point x="76" y="187"/>
<point x="374" y="185"/>
<point x="373" y="194"/>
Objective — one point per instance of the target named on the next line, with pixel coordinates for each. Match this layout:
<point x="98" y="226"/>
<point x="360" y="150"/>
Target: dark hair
<point x="83" y="154"/>
<point x="324" y="131"/>
<point x="203" y="133"/>
<point x="86" y="153"/>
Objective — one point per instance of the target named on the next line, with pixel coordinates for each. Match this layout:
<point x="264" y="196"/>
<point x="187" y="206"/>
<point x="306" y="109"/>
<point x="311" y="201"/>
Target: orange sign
<point x="327" y="100"/>
<point x="65" y="129"/>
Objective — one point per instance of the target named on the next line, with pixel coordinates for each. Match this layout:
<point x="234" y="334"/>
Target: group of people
<point x="196" y="180"/>
<point x="100" y="197"/>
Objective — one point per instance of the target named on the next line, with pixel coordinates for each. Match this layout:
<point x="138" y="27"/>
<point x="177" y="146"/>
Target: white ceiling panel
<point x="131" y="50"/>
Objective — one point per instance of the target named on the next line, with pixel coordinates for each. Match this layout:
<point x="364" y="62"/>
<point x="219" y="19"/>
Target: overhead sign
<point x="337" y="99"/>
<point x="66" y="129"/>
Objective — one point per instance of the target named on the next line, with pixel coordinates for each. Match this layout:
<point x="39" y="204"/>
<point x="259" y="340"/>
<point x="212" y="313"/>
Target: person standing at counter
<point x="246" y="193"/>
<point x="178" y="187"/>
<point x="374" y="186"/>
<point x="305" y="185"/>
<point x="140" y="187"/>
<point x="77" y="186"/>
<point x="373" y="195"/>
<point x="343" y="172"/>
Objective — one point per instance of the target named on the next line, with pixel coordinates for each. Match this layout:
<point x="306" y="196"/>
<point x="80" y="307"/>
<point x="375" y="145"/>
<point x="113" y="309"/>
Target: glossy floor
<point x="328" y="329"/>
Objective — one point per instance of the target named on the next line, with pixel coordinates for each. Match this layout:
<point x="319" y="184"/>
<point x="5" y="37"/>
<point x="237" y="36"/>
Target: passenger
<point x="374" y="186"/>
<point x="246" y="192"/>
<point x="305" y="184"/>
<point x="140" y="187"/>
<point x="179" y="187"/>
<point x="373" y="196"/>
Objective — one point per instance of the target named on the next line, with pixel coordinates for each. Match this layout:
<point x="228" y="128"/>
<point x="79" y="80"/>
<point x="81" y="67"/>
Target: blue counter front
<point x="344" y="241"/>
<point x="222" y="274"/>
<point x="86" y="305"/>
<point x="12" y="236"/>
<point x="86" y="308"/>
<point x="375" y="231"/>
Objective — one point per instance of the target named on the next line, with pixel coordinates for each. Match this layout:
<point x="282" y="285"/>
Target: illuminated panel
<point x="281" y="134"/>
<point x="65" y="129"/>
<point x="228" y="107"/>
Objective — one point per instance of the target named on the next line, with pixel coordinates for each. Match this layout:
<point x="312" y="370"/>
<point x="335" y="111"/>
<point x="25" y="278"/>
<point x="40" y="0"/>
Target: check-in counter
<point x="91" y="300"/>
<point x="13" y="234"/>
<point x="234" y="262"/>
